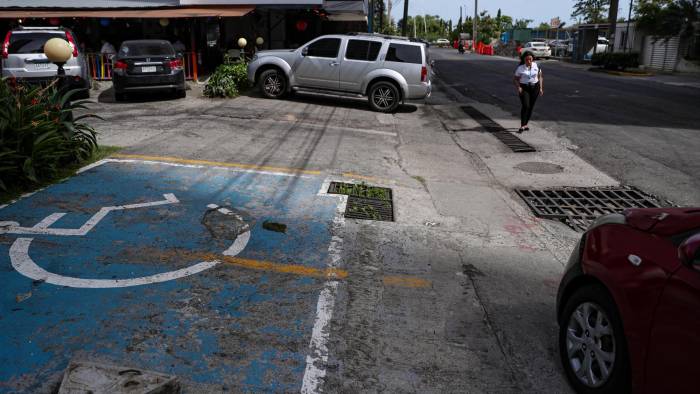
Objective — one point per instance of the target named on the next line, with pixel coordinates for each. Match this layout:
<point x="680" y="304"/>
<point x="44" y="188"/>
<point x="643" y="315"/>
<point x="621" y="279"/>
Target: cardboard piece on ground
<point x="98" y="378"/>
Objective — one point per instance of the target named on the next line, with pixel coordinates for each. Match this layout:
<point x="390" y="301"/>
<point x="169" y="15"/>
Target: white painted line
<point x="90" y="166"/>
<point x="318" y="349"/>
<point x="49" y="220"/>
<point x="238" y="245"/>
<point x="19" y="256"/>
<point x="42" y="227"/>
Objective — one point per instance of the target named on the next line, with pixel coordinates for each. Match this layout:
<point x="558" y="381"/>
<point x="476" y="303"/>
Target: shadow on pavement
<point x="107" y="96"/>
<point x="339" y="102"/>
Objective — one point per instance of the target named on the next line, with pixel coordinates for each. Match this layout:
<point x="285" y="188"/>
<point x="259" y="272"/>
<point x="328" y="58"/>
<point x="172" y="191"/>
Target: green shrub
<point x="228" y="80"/>
<point x="39" y="134"/>
<point x="616" y="61"/>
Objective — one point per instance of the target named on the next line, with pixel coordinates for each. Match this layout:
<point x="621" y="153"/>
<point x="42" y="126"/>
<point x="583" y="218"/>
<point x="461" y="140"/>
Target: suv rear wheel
<point x="273" y="84"/>
<point x="384" y="96"/>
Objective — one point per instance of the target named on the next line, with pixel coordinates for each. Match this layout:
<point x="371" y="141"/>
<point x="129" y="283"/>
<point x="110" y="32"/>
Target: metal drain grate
<point x="498" y="131"/>
<point x="578" y="207"/>
<point x="365" y="201"/>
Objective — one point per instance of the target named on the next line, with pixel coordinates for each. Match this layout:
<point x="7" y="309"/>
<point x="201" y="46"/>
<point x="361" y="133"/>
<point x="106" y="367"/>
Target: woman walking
<point x="528" y="81"/>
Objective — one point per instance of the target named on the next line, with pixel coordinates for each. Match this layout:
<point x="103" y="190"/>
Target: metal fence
<point x="101" y="66"/>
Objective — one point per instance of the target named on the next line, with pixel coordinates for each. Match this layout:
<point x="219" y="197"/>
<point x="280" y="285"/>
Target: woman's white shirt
<point x="528" y="75"/>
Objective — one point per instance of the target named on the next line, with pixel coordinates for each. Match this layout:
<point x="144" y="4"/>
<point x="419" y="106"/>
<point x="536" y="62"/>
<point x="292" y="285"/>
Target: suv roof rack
<point x="378" y="35"/>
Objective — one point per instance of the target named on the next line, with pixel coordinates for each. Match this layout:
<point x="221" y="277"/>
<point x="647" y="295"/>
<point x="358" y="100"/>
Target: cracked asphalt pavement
<point x="486" y="321"/>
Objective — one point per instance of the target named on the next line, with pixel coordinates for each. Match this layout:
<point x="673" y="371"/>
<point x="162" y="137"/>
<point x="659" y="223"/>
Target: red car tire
<point x="586" y="341"/>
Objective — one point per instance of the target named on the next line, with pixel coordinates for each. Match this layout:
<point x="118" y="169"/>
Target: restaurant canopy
<point x="167" y="12"/>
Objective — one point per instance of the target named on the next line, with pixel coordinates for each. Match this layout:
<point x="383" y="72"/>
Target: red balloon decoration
<point x="302" y="25"/>
<point x="54" y="21"/>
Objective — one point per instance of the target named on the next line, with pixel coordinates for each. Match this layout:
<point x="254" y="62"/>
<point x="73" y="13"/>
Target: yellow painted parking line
<point x="406" y="281"/>
<point x="324" y="273"/>
<point x="294" y="269"/>
<point x="215" y="163"/>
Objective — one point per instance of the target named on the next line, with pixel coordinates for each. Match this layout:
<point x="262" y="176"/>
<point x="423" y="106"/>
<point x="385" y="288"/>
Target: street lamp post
<point x="58" y="51"/>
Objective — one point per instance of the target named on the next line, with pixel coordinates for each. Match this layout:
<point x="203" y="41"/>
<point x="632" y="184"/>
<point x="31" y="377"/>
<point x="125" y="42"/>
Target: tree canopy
<point x="591" y="11"/>
<point x="668" y="18"/>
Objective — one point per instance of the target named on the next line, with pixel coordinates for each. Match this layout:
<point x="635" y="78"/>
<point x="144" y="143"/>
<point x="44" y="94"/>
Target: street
<point x="210" y="248"/>
<point x="640" y="130"/>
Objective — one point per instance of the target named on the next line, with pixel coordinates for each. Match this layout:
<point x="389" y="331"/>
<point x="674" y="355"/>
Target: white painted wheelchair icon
<point x="23" y="263"/>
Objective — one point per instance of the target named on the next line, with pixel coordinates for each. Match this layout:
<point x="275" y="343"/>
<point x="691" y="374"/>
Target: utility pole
<point x="404" y="25"/>
<point x="425" y="25"/>
<point x="476" y="15"/>
<point x="388" y="12"/>
<point x="370" y="17"/>
<point x="460" y="18"/>
<point x="627" y="34"/>
<point x="414" y="27"/>
<point x="612" y="18"/>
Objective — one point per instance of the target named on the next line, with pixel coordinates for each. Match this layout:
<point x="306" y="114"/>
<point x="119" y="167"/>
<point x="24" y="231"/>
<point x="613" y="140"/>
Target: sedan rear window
<point x="404" y="54"/>
<point x="23" y="43"/>
<point x="146" y="49"/>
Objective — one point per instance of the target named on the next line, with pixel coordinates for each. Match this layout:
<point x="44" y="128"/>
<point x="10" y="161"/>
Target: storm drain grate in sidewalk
<point x="365" y="201"/>
<point x="510" y="140"/>
<point x="578" y="207"/>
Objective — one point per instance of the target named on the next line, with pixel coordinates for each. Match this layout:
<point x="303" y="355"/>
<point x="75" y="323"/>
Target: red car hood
<point x="663" y="221"/>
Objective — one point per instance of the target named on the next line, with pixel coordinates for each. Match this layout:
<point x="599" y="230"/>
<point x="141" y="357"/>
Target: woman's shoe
<point x="520" y="130"/>
<point x="526" y="128"/>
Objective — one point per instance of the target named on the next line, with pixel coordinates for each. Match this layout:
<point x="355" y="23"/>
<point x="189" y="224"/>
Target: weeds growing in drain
<point x="366" y="210"/>
<point x="364" y="190"/>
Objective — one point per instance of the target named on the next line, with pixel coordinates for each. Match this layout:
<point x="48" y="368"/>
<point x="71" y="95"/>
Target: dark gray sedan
<point x="147" y="65"/>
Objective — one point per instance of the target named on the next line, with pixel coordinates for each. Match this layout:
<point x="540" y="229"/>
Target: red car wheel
<point x="592" y="344"/>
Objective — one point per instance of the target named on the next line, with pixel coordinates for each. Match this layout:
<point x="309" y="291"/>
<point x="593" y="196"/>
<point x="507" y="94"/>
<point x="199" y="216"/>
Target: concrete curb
<point x="620" y="73"/>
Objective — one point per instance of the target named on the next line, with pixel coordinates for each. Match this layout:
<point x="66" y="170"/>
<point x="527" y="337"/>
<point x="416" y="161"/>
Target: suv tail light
<point x="424" y="74"/>
<point x="69" y="36"/>
<point x="120" y="65"/>
<point x="6" y="46"/>
<point x="175" y="64"/>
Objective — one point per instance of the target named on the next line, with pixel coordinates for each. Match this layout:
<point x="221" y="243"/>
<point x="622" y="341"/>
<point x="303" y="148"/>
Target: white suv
<point x="386" y="70"/>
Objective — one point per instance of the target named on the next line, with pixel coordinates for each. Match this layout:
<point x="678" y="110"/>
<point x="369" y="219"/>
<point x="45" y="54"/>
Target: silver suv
<point x="23" y="57"/>
<point x="385" y="69"/>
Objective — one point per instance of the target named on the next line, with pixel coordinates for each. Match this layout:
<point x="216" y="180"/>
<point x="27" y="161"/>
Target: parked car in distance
<point x="442" y="42"/>
<point x="600" y="47"/>
<point x="538" y="49"/>
<point x="23" y="58"/>
<point x="559" y="47"/>
<point x="385" y="70"/>
<point x="628" y="305"/>
<point x="147" y="66"/>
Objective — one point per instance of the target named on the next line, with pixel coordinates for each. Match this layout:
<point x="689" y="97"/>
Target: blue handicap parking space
<point x="165" y="267"/>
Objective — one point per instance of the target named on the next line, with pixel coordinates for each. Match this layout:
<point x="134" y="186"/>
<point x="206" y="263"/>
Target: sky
<point x="537" y="10"/>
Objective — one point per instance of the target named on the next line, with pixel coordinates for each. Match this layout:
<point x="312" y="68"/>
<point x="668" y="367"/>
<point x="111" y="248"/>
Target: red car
<point x="628" y="305"/>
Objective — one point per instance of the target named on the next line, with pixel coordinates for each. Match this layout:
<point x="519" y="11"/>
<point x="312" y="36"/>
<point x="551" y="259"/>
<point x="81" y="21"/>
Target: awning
<point x="174" y="12"/>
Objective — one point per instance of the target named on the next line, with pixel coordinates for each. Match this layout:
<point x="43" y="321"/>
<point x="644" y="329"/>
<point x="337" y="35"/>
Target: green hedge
<point x="228" y="80"/>
<point x="39" y="134"/>
<point x="616" y="61"/>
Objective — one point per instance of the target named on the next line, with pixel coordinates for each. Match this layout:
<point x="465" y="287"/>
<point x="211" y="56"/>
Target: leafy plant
<point x="228" y="80"/>
<point x="39" y="133"/>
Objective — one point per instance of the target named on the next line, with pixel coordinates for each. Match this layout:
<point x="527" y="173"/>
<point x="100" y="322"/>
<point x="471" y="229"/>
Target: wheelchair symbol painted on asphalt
<point x="23" y="263"/>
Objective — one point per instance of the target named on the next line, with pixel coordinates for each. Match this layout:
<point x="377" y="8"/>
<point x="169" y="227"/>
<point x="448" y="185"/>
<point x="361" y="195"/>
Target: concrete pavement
<point x="477" y="272"/>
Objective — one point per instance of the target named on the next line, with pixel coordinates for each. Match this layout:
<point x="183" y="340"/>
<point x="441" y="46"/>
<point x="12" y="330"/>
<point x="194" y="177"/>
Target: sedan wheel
<point x="592" y="343"/>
